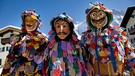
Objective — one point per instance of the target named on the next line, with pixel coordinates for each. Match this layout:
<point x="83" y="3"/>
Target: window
<point x="11" y="35"/>
<point x="3" y="49"/>
<point x="0" y="49"/>
<point x="134" y="39"/>
<point x="131" y="27"/>
<point x="131" y="41"/>
<point x="7" y="48"/>
<point x="0" y="61"/>
<point x="128" y="29"/>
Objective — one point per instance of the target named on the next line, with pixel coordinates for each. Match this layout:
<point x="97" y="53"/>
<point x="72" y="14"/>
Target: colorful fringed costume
<point x="26" y="56"/>
<point x="107" y="46"/>
<point x="65" y="54"/>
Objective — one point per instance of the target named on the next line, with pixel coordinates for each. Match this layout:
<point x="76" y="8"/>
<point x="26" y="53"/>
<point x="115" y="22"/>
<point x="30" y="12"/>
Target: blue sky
<point x="10" y="10"/>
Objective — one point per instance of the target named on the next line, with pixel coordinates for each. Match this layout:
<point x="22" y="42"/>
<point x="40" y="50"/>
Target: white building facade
<point x="128" y="22"/>
<point x="5" y="34"/>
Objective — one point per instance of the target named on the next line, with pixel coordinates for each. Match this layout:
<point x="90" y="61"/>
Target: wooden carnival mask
<point x="62" y="28"/>
<point x="30" y="23"/>
<point x="98" y="18"/>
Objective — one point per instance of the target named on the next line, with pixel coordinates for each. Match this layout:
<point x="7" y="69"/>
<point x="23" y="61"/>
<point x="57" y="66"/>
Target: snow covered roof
<point x="9" y="27"/>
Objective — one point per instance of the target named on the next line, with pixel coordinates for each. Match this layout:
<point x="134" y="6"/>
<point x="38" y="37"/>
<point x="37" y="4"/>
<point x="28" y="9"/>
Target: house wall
<point x="4" y="48"/>
<point x="130" y="27"/>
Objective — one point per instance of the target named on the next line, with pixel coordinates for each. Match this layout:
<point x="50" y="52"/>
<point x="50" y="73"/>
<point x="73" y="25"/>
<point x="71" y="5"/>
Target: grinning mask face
<point x="30" y="23"/>
<point x="98" y="18"/>
<point x="62" y="28"/>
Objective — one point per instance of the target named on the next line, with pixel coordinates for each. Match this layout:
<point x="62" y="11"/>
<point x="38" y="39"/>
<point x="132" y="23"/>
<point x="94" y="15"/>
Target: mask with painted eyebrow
<point x="59" y="23"/>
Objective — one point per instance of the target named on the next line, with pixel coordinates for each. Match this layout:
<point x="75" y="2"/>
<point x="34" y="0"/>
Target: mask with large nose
<point x="62" y="28"/>
<point x="30" y="23"/>
<point x="98" y="18"/>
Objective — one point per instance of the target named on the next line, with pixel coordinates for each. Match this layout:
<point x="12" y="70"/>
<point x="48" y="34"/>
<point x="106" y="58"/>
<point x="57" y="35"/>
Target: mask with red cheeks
<point x="62" y="29"/>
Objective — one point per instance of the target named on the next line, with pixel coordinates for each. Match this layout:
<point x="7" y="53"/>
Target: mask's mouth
<point x="98" y="21"/>
<point x="29" y="25"/>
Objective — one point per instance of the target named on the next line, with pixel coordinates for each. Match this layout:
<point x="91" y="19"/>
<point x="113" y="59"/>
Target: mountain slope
<point x="117" y="18"/>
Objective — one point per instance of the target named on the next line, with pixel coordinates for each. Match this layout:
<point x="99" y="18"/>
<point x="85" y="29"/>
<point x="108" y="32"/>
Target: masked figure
<point x="107" y="46"/>
<point x="64" y="51"/>
<point x="26" y="56"/>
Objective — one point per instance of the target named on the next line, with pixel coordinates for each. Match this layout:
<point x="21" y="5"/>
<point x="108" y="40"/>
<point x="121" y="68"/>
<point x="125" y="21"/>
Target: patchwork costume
<point x="108" y="48"/>
<point x="26" y="55"/>
<point x="64" y="50"/>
